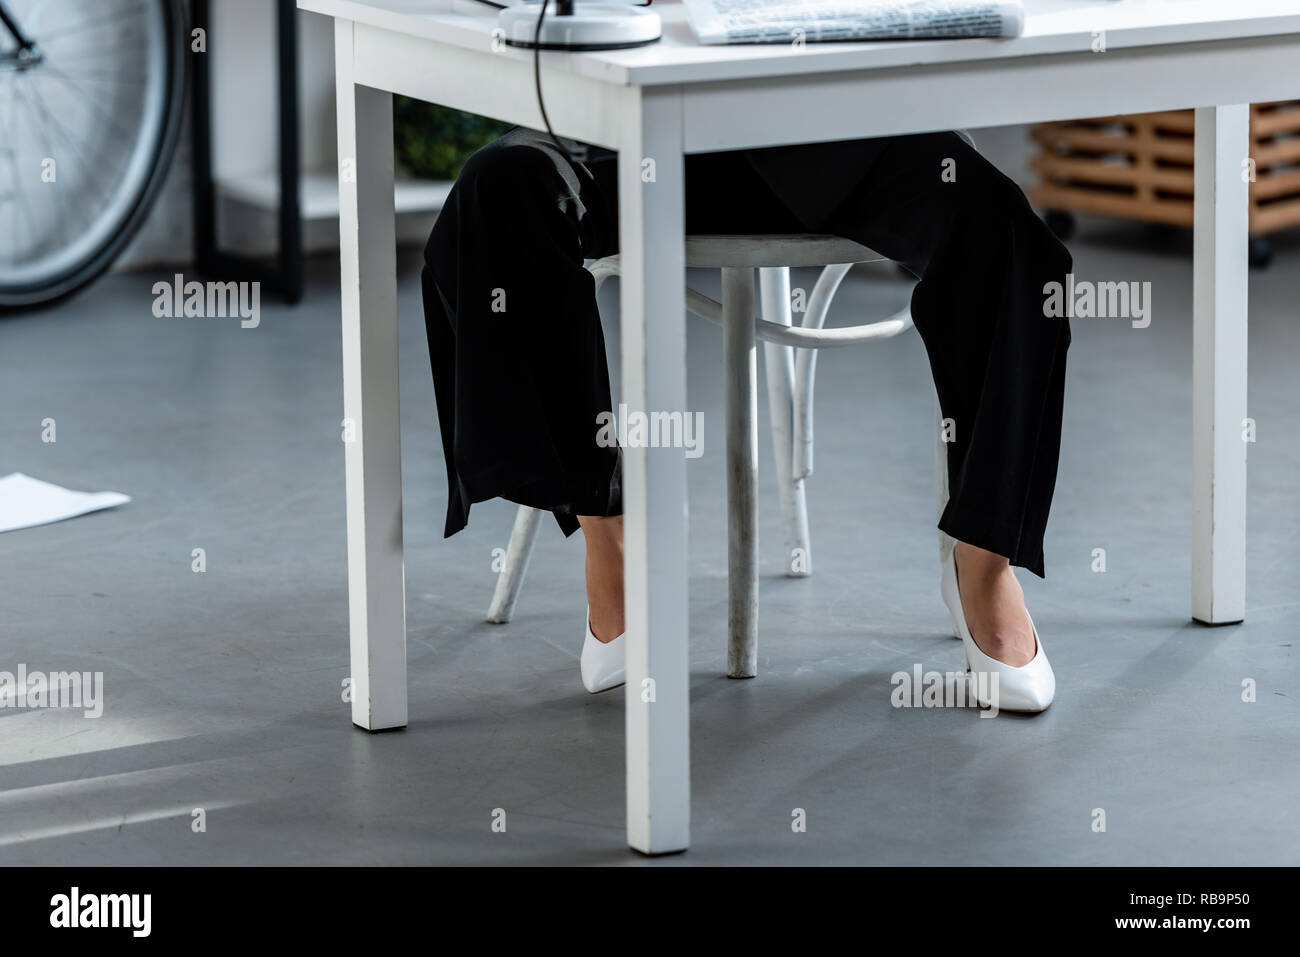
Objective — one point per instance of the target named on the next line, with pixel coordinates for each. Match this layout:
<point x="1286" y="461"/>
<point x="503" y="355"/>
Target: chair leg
<point x="740" y="371"/>
<point x="774" y="288"/>
<point x="511" y="577"/>
<point x="819" y="303"/>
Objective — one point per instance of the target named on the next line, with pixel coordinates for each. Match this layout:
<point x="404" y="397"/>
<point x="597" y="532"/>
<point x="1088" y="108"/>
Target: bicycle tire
<point x="21" y="297"/>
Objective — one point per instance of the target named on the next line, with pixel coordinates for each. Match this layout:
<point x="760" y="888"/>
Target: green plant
<point x="433" y="142"/>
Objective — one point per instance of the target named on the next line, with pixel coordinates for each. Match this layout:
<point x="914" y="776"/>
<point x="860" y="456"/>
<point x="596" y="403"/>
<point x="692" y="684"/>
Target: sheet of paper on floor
<point x="25" y="501"/>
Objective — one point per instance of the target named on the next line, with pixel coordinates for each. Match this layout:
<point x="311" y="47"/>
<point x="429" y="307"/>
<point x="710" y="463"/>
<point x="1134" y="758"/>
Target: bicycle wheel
<point x="91" y="94"/>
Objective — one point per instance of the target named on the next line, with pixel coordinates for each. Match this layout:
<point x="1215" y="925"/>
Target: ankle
<point x="605" y="618"/>
<point x="976" y="562"/>
<point x="604" y="537"/>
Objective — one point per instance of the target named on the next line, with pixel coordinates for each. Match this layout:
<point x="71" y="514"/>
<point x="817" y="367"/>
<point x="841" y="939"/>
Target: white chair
<point x="791" y="354"/>
<point x="791" y="361"/>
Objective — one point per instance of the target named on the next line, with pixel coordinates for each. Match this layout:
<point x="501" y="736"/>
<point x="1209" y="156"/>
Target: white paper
<point x="25" y="501"/>
<point x="794" y="21"/>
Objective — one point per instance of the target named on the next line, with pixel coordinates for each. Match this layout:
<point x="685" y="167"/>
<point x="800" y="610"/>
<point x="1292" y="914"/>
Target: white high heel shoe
<point x="1029" y="688"/>
<point x="603" y="663"/>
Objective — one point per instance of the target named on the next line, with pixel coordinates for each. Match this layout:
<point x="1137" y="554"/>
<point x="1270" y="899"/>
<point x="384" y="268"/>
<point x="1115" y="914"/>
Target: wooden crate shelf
<point x="1140" y="167"/>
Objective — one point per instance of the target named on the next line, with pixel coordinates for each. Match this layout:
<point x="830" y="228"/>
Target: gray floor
<point x="224" y="688"/>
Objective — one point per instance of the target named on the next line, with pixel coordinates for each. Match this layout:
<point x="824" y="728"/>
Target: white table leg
<point x="376" y="582"/>
<point x="653" y="296"/>
<point x="1219" y="334"/>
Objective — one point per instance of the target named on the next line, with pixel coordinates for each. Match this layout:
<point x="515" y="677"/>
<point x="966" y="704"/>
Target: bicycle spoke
<point x="136" y="79"/>
<point x="76" y="70"/>
<point x="19" y="196"/>
<point x="60" y="225"/>
<point x="98" y="55"/>
<point x="22" y="193"/>
<point x="42" y="119"/>
<point x="46" y="39"/>
<point x="88" y="167"/>
<point x="60" y="75"/>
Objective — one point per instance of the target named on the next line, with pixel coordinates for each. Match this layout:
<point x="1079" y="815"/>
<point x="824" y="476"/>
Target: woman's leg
<point x="994" y="605"/>
<point x="604" y="539"/>
<point x="982" y="256"/>
<point x="934" y="204"/>
<point x="515" y="339"/>
<point x="517" y="348"/>
<point x="723" y="195"/>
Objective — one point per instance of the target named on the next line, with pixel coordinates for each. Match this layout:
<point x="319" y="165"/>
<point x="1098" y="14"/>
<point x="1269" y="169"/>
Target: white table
<point x="676" y="97"/>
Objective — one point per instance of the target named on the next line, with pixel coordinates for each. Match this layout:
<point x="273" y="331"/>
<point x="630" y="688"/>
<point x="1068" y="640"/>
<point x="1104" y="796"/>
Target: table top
<point x="1051" y="27"/>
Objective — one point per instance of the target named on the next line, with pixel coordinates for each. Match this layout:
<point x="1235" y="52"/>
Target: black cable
<point x="537" y="77"/>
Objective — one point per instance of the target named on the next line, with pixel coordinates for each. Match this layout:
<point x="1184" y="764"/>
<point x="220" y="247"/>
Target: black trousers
<point x="518" y="355"/>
